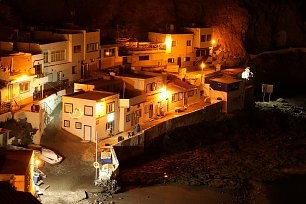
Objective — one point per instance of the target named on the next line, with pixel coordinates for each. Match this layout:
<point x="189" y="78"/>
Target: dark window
<point x="142" y="58"/>
<point x="77" y="48"/>
<point x="91" y="47"/>
<point x="174" y="97"/>
<point x="73" y="69"/>
<point x="173" y="43"/>
<point x="170" y="60"/>
<point x="187" y="59"/>
<point x="128" y="118"/>
<point x="190" y="93"/>
<point x="188" y="43"/>
<point x="203" y="38"/>
<point x="209" y="37"/>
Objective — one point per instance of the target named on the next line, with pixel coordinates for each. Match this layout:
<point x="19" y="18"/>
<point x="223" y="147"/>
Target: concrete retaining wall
<point x="130" y="148"/>
<point x="135" y="146"/>
<point x="207" y="113"/>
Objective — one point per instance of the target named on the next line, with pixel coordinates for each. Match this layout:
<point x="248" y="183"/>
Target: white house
<point x="86" y="113"/>
<point x="226" y="89"/>
<point x="110" y="56"/>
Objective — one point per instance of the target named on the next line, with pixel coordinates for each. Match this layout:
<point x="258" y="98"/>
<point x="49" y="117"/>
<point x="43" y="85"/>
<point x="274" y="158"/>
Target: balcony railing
<point x="144" y="46"/>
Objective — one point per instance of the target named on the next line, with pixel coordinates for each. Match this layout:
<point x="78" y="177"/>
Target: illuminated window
<point x="58" y="55"/>
<point x="109" y="52"/>
<point x="170" y="60"/>
<point x="66" y="123"/>
<point x="142" y="58"/>
<point x="24" y="87"/>
<point x="88" y="110"/>
<point x="128" y="118"/>
<point x="110" y="107"/>
<point x="174" y="43"/>
<point x="77" y="49"/>
<point x="187" y="59"/>
<point x="180" y="96"/>
<point x="188" y="43"/>
<point x="68" y="107"/>
<point x="208" y="37"/>
<point x="78" y="125"/>
<point x="203" y="38"/>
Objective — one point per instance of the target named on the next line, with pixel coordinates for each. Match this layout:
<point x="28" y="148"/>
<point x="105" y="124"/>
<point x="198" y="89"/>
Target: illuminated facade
<point x="18" y="170"/>
<point x="228" y="90"/>
<point x="22" y="76"/>
<point x="110" y="56"/>
<point x="68" y="55"/>
<point x="85" y="113"/>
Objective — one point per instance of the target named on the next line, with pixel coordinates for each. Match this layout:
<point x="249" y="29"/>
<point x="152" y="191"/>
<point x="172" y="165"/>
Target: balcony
<point x="40" y="79"/>
<point x="144" y="46"/>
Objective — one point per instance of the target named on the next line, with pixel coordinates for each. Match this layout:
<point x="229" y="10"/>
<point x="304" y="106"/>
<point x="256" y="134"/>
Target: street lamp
<point x="202" y="66"/>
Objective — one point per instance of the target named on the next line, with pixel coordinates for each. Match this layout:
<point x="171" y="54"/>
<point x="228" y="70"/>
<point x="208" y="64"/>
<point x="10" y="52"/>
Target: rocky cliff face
<point x="240" y="26"/>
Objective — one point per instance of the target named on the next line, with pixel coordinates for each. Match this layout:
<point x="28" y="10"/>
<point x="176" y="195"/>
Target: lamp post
<point x="202" y="66"/>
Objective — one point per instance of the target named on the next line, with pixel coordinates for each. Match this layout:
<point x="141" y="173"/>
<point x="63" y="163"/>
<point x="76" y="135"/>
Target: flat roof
<point x="16" y="161"/>
<point x="226" y="80"/>
<point x="134" y="75"/>
<point x="100" y="82"/>
<point x="92" y="95"/>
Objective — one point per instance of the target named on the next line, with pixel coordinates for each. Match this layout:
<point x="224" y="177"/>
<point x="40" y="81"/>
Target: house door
<point x="185" y="98"/>
<point x="134" y="119"/>
<point x="167" y="106"/>
<point x="151" y="111"/>
<point x="179" y="61"/>
<point x="87" y="132"/>
<point x="10" y="92"/>
<point x="124" y="60"/>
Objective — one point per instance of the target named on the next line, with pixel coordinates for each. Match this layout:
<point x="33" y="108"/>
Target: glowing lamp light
<point x="37" y="162"/>
<point x="247" y="73"/>
<point x="168" y="43"/>
<point x="213" y="42"/>
<point x="164" y="94"/>
<point x="107" y="53"/>
<point x="110" y="117"/>
<point x="202" y="65"/>
<point x="23" y="78"/>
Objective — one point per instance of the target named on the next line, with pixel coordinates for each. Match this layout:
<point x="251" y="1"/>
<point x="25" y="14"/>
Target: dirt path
<point x="75" y="172"/>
